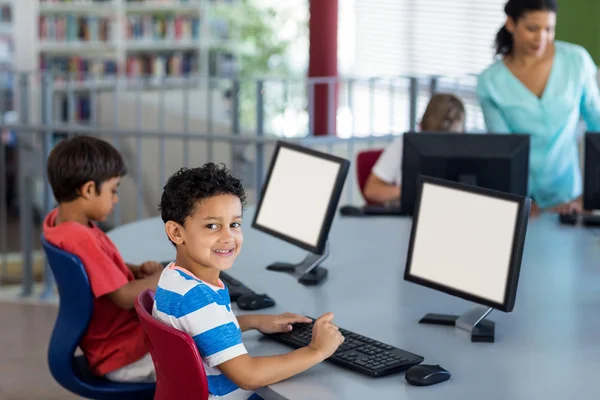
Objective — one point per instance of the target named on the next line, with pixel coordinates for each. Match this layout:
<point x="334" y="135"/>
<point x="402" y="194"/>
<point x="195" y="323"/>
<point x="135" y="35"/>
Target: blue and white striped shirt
<point x="203" y="311"/>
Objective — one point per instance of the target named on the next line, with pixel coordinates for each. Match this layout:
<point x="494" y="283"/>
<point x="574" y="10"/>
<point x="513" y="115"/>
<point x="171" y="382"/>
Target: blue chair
<point x="74" y="315"/>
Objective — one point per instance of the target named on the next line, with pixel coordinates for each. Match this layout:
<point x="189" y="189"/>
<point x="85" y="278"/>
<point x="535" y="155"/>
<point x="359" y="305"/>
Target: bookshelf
<point x="108" y="41"/>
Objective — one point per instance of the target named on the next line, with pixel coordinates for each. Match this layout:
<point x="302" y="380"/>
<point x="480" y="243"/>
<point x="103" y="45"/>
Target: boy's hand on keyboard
<point x="279" y="323"/>
<point x="326" y="337"/>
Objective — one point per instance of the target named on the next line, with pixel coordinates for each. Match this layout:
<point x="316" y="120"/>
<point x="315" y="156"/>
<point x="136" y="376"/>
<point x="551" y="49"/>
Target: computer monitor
<point x="467" y="241"/>
<point x="591" y="178"/>
<point x="493" y="161"/>
<point x="298" y="202"/>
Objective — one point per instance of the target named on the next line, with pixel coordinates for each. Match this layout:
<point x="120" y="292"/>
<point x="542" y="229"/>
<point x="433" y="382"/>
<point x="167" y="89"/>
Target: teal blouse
<point x="552" y="120"/>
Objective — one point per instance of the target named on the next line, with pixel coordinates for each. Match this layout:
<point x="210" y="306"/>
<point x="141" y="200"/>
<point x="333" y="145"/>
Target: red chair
<point x="179" y="370"/>
<point x="365" y="161"/>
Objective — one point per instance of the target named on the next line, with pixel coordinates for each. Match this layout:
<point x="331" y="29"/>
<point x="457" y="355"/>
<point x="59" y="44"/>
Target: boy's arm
<point x="145" y="269"/>
<point x="125" y="296"/>
<point x="106" y="278"/>
<point x="135" y="269"/>
<point x="248" y="321"/>
<point x="268" y="323"/>
<point x="250" y="373"/>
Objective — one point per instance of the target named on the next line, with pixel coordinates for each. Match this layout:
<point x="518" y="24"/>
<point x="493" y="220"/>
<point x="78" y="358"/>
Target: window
<point x="394" y="38"/>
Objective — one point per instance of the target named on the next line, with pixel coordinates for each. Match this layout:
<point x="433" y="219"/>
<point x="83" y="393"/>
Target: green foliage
<point x="259" y="50"/>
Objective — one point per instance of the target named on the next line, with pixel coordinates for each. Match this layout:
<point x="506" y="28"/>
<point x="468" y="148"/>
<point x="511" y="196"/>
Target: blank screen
<point x="297" y="195"/>
<point x="463" y="241"/>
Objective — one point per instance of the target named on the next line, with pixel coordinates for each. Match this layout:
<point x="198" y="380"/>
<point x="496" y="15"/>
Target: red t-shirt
<point x="114" y="337"/>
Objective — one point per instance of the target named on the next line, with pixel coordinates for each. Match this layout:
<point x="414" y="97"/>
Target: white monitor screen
<point x="297" y="196"/>
<point x="464" y="241"/>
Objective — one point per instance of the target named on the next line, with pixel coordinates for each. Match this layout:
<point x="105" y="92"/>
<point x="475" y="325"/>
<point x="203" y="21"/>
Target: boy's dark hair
<point x="81" y="159"/>
<point x="188" y="186"/>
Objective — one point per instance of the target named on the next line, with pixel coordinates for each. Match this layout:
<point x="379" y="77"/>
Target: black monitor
<point x="591" y="178"/>
<point x="298" y="202"/>
<point x="467" y="241"/>
<point x="493" y="161"/>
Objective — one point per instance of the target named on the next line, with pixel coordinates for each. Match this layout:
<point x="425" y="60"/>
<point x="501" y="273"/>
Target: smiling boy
<point x="202" y="209"/>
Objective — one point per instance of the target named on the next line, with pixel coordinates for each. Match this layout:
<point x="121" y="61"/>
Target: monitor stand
<point x="472" y="321"/>
<point x="308" y="271"/>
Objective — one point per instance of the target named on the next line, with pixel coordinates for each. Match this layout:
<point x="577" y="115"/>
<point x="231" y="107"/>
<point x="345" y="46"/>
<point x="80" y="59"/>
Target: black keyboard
<point x="236" y="288"/>
<point x="371" y="211"/>
<point x="358" y="353"/>
<point x="382" y="210"/>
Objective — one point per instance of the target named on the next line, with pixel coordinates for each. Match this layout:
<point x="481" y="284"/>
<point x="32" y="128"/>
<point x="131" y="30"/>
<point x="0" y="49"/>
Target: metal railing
<point x="161" y="125"/>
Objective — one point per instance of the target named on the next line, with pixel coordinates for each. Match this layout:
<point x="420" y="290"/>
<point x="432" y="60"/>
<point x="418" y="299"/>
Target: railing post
<point x="162" y="153"/>
<point x="371" y="106"/>
<point x="3" y="212"/>
<point x="351" y="106"/>
<point x="392" y="89"/>
<point x="414" y="94"/>
<point x="186" y="125"/>
<point x="311" y="107"/>
<point x="209" y="119"/>
<point x="235" y="107"/>
<point x="116" y="139"/>
<point x="331" y="110"/>
<point x="47" y="142"/>
<point x="24" y="143"/>
<point x="260" y="133"/>
<point x="434" y="84"/>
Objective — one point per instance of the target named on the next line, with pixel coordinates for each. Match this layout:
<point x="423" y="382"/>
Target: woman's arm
<point x="492" y="114"/>
<point x="590" y="99"/>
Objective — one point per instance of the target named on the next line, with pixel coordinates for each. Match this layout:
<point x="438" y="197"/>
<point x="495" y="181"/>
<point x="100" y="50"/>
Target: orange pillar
<point x="322" y="62"/>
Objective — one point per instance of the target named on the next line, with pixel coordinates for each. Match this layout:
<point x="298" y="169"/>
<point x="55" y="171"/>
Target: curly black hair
<point x="188" y="186"/>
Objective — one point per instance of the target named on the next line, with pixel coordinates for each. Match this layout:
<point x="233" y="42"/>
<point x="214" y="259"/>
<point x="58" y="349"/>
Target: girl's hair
<point x="443" y="113"/>
<point x="515" y="10"/>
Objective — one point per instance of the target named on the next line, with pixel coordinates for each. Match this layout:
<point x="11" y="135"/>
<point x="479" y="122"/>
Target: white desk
<point x="548" y="348"/>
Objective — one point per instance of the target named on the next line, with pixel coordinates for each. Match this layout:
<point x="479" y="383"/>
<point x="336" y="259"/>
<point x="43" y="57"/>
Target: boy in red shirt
<point x="84" y="173"/>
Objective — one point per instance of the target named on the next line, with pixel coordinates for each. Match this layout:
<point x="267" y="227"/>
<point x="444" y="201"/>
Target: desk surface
<point x="547" y="348"/>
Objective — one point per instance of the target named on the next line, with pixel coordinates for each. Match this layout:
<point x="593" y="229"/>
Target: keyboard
<point x="358" y="353"/>
<point x="370" y="210"/>
<point x="382" y="210"/>
<point x="236" y="288"/>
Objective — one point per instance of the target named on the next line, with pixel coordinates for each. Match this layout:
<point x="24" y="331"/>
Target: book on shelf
<point x="167" y="26"/>
<point x="162" y="65"/>
<point x="72" y="27"/>
<point x="5" y="13"/>
<point x="161" y="1"/>
<point x="74" y="1"/>
<point x="78" y="68"/>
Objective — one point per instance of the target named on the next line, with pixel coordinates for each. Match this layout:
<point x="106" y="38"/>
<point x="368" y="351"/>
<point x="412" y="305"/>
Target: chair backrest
<point x="74" y="313"/>
<point x="365" y="161"/>
<point x="180" y="372"/>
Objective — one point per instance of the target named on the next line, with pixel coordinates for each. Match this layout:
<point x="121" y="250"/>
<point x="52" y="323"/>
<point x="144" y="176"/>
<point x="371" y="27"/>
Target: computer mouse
<point x="255" y="301"/>
<point x="350" y="210"/>
<point x="568" y="218"/>
<point x="425" y="375"/>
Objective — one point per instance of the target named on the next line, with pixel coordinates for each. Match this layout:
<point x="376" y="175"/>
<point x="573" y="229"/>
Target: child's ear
<point x="88" y="190"/>
<point x="174" y="232"/>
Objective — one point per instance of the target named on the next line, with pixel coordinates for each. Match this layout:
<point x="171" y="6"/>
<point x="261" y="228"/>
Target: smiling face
<point x="211" y="237"/>
<point x="533" y="32"/>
